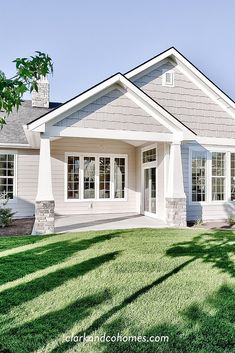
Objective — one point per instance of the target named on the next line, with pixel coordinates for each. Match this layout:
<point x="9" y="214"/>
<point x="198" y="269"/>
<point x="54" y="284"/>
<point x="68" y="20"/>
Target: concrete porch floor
<point x="81" y="223"/>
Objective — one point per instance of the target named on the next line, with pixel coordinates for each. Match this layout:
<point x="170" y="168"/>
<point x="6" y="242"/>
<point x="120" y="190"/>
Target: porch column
<point x="45" y="204"/>
<point x="175" y="195"/>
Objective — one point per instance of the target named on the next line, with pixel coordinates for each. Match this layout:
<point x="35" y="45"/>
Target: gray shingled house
<point x="158" y="140"/>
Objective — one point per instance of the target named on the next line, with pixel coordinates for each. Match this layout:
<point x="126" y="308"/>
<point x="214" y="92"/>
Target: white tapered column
<point x="44" y="172"/>
<point x="175" y="195"/>
<point x="44" y="206"/>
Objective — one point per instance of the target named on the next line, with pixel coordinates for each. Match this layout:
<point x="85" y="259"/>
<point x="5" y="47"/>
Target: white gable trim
<point x="132" y="91"/>
<point x="205" y="84"/>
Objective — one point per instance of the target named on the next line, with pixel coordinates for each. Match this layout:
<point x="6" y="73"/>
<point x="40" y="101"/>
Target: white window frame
<point x="164" y="82"/>
<point x="97" y="184"/>
<point x="208" y="184"/>
<point x="15" y="154"/>
<point x="147" y="165"/>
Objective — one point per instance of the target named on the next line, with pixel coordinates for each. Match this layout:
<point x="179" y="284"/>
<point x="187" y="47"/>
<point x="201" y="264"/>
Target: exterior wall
<point x="27" y="176"/>
<point x="187" y="102"/>
<point x="204" y="211"/>
<point x="58" y="149"/>
<point x="113" y="111"/>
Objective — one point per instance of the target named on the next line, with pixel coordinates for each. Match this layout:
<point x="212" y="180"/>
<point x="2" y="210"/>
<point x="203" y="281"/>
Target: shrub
<point x="6" y="217"/>
<point x="231" y="220"/>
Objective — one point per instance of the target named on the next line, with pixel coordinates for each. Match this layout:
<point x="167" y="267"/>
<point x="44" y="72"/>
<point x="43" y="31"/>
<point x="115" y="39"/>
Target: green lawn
<point x="169" y="282"/>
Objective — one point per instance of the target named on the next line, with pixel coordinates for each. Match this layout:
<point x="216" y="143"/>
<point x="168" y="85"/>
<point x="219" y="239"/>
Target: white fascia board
<point x="33" y="137"/>
<point x="135" y="94"/>
<point x="150" y="63"/>
<point x="14" y="145"/>
<point x="204" y="79"/>
<point x="204" y="87"/>
<point x="179" y="59"/>
<point x="60" y="131"/>
<point x="216" y="141"/>
<point x="152" y="108"/>
<point x="74" y="102"/>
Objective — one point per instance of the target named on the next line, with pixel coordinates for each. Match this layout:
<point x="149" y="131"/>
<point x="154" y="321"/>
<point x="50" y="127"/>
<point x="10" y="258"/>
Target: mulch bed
<point x="212" y="225"/>
<point x="22" y="226"/>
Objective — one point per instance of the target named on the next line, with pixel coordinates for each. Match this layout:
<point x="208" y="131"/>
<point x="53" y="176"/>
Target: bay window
<point x="95" y="177"/>
<point x="7" y="175"/>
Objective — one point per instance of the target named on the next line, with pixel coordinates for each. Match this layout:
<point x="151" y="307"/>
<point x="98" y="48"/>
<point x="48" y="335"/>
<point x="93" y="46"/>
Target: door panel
<point x="150" y="190"/>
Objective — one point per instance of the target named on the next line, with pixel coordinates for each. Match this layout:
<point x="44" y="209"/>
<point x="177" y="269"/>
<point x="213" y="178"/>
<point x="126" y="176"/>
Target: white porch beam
<point x="58" y="131"/>
<point x="44" y="174"/>
<point x="175" y="187"/>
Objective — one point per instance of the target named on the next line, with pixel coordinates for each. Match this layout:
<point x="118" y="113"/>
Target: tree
<point x="28" y="71"/>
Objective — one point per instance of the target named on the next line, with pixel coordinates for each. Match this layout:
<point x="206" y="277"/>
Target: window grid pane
<point x="198" y="176"/>
<point x="73" y="177"/>
<point x="232" y="167"/>
<point x="89" y="177"/>
<point x="104" y="177"/>
<point x="149" y="156"/>
<point x="218" y="176"/>
<point x="119" y="178"/>
<point x="7" y="174"/>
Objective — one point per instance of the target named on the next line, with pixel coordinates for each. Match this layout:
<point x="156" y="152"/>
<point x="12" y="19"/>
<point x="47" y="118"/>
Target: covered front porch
<point x="112" y="150"/>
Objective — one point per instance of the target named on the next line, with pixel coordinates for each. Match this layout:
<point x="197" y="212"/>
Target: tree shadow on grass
<point x="201" y="331"/>
<point x="28" y="291"/>
<point x="110" y="313"/>
<point x="18" y="265"/>
<point x="38" y="333"/>
<point x="217" y="248"/>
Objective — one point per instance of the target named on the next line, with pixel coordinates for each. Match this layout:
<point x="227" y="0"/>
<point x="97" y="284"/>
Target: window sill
<point x="94" y="200"/>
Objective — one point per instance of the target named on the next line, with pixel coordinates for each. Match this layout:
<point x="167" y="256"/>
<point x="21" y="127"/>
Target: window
<point x="218" y="176"/>
<point x="119" y="178"/>
<point x="7" y="174"/>
<point x="93" y="177"/>
<point x="149" y="155"/>
<point x="198" y="176"/>
<point x="104" y="177"/>
<point x="232" y="168"/>
<point x="89" y="177"/>
<point x="168" y="78"/>
<point x="73" y="177"/>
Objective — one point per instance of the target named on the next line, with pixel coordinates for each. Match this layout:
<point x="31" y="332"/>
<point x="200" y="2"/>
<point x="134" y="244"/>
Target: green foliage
<point x="6" y="217"/>
<point x="28" y="71"/>
<point x="231" y="220"/>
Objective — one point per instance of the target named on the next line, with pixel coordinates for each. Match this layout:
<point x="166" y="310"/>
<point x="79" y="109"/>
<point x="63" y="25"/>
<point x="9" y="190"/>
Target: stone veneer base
<point x="176" y="212"/>
<point x="44" y="217"/>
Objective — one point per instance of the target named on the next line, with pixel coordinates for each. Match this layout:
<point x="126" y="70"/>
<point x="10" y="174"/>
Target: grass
<point x="169" y="282"/>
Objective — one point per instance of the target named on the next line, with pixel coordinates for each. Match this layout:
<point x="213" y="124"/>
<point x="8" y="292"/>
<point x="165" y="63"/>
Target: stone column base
<point x="176" y="212"/>
<point x="44" y="217"/>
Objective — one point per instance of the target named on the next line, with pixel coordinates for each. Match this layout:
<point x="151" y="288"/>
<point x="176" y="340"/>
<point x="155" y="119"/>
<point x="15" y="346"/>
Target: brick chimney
<point x="41" y="98"/>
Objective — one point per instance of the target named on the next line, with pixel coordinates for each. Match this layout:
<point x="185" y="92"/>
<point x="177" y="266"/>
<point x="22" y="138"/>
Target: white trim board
<point x="178" y="58"/>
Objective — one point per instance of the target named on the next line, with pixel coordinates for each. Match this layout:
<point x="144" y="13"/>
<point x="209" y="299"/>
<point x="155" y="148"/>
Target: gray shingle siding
<point x="113" y="111"/>
<point x="13" y="131"/>
<point x="187" y="103"/>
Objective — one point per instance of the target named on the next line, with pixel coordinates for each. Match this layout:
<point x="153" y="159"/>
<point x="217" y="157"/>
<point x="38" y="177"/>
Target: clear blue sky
<point x="90" y="40"/>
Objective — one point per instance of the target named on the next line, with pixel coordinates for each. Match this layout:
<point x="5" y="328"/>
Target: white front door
<point x="150" y="191"/>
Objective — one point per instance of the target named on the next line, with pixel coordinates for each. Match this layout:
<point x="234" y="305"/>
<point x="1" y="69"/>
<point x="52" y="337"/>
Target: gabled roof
<point x="167" y="119"/>
<point x="179" y="58"/>
<point x="13" y="132"/>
